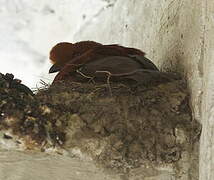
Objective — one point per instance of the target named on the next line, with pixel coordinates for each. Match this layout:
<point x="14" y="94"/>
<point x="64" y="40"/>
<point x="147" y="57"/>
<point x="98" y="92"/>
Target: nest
<point x="119" y="128"/>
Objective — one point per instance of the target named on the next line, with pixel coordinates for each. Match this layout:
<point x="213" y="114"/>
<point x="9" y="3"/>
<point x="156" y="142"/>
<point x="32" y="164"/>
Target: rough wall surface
<point x="207" y="138"/>
<point x="33" y="166"/>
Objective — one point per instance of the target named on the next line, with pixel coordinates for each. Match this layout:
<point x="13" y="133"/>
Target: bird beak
<point x="54" y="68"/>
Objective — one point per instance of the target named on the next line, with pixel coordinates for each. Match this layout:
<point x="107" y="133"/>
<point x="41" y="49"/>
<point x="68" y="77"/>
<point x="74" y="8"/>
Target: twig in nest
<point x="88" y="77"/>
<point x="43" y="87"/>
<point x="109" y="74"/>
<point x="42" y="82"/>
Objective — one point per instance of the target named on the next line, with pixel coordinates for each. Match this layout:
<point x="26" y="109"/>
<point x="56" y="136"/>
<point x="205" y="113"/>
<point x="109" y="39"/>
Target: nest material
<point x="120" y="130"/>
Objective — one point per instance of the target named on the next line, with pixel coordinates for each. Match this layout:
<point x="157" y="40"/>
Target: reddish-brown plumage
<point x="63" y="52"/>
<point x="68" y="57"/>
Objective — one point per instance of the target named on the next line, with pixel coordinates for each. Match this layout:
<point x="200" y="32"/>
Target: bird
<point x="87" y="60"/>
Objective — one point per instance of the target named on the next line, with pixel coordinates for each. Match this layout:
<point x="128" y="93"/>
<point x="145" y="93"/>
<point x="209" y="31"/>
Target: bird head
<point x="64" y="52"/>
<point x="60" y="54"/>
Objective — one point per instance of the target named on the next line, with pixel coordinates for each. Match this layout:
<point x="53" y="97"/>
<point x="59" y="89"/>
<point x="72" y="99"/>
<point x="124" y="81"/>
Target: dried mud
<point x="127" y="128"/>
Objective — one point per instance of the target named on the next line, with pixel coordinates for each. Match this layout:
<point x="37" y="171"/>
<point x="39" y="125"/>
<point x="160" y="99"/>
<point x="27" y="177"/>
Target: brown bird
<point x="91" y="60"/>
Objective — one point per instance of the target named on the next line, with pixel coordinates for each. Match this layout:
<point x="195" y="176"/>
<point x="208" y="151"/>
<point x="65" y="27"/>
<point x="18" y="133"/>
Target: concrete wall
<point x="207" y="138"/>
<point x="178" y="35"/>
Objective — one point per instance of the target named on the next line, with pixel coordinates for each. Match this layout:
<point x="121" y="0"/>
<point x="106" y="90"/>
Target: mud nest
<point x="124" y="129"/>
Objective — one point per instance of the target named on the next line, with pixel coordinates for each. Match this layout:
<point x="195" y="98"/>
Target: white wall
<point x="29" y="29"/>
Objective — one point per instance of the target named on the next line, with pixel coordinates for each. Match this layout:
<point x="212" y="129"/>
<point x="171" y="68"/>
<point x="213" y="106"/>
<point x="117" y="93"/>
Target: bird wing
<point x="110" y="58"/>
<point x="119" y="68"/>
<point x="145" y="62"/>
